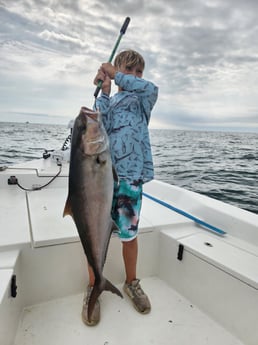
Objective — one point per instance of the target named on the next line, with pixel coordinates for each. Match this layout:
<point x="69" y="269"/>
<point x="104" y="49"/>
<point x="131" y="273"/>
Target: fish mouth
<point x="93" y="149"/>
<point x="90" y="115"/>
<point x="96" y="141"/>
<point x="95" y="145"/>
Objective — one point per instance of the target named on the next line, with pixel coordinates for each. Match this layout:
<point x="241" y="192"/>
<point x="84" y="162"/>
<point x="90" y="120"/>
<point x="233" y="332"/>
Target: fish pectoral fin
<point x="67" y="208"/>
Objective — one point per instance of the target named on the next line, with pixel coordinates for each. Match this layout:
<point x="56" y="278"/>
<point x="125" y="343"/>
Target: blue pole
<point x="187" y="215"/>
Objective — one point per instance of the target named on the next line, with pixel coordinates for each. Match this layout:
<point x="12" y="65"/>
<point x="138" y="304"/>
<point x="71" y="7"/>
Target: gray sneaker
<point x="138" y="297"/>
<point x="95" y="317"/>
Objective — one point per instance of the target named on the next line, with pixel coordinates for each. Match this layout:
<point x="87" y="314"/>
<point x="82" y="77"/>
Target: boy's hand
<point x="106" y="81"/>
<point x="109" y="69"/>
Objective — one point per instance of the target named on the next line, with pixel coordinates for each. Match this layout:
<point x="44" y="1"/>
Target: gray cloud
<point x="201" y="53"/>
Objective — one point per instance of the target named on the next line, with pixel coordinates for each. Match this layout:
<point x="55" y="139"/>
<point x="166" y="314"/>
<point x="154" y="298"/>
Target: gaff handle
<point x="122" y="32"/>
<point x="125" y="25"/>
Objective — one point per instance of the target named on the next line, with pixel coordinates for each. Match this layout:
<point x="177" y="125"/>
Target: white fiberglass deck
<point x="173" y="320"/>
<point x="40" y="247"/>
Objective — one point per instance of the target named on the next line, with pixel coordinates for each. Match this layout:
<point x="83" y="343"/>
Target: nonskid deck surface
<point x="173" y="320"/>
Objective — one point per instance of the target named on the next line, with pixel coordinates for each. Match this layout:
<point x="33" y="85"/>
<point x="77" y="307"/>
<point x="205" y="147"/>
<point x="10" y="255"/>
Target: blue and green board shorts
<point x="126" y="207"/>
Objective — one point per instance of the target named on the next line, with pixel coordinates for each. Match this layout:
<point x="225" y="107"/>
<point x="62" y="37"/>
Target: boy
<point x="126" y="117"/>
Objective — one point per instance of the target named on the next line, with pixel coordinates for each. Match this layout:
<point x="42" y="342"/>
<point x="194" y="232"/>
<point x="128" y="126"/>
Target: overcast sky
<point x="203" y="55"/>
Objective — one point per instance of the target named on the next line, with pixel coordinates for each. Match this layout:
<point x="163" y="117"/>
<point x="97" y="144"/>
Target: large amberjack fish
<point x="90" y="194"/>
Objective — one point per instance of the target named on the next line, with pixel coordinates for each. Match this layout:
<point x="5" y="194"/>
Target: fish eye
<point x="100" y="160"/>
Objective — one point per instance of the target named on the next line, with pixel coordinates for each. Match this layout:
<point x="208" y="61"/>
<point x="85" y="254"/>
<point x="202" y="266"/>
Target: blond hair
<point x="129" y="57"/>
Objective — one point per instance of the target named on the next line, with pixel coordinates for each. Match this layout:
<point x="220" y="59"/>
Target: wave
<point x="220" y="165"/>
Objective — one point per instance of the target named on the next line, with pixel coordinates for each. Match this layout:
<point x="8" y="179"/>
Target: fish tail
<point x="110" y="287"/>
<point x="97" y="290"/>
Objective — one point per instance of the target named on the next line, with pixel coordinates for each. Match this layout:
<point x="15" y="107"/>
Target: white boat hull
<point x="209" y="295"/>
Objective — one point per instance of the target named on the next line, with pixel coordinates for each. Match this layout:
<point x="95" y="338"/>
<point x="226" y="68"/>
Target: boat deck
<point x="173" y="320"/>
<point x="217" y="275"/>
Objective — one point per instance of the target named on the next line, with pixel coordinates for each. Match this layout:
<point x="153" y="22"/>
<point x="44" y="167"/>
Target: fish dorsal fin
<point x="115" y="176"/>
<point x="68" y="208"/>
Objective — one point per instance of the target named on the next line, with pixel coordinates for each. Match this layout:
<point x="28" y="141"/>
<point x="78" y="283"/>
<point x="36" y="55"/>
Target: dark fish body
<point x="90" y="195"/>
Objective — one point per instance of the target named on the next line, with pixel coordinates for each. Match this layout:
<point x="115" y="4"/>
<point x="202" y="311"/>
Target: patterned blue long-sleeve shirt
<point x="126" y="116"/>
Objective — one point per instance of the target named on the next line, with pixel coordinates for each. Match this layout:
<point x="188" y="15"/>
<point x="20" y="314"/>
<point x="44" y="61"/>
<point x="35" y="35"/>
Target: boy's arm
<point x="146" y="90"/>
<point x="102" y="104"/>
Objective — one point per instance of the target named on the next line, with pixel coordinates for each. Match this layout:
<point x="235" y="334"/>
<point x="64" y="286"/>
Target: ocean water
<point x="221" y="165"/>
